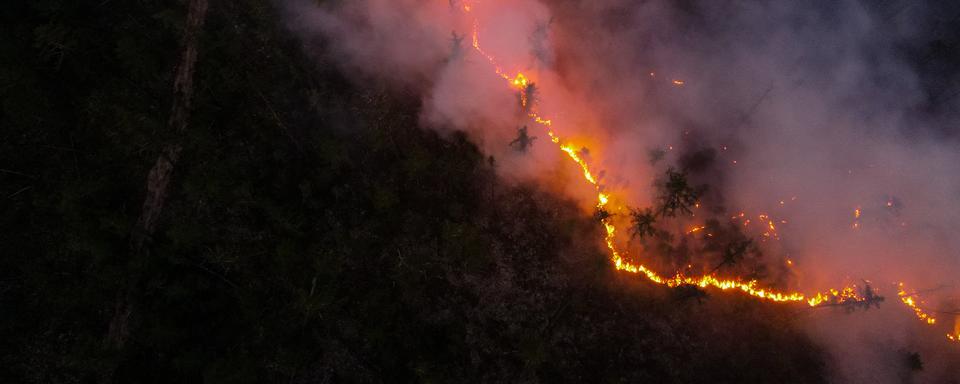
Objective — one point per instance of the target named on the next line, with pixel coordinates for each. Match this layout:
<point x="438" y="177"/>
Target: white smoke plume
<point x="814" y="112"/>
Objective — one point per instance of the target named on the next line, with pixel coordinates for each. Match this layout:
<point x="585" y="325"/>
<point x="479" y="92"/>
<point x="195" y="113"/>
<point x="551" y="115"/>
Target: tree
<point x="914" y="363"/>
<point x="869" y="297"/>
<point x="734" y="252"/>
<point x="528" y="97"/>
<point x="677" y="195"/>
<point x="655" y="155"/>
<point x="642" y="222"/>
<point x="456" y="45"/>
<point x="685" y="292"/>
<point x="523" y="140"/>
<point x="601" y="214"/>
<point x="158" y="179"/>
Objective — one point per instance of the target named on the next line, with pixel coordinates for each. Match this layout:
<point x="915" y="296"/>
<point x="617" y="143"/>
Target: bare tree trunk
<point x="158" y="179"/>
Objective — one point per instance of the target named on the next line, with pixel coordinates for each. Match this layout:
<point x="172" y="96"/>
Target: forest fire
<point x="845" y="296"/>
<point x="474" y="191"/>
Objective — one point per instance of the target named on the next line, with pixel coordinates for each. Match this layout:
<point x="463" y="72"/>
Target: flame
<point x="750" y="287"/>
<point x="519" y="81"/>
<point x="955" y="336"/>
<point x="908" y="300"/>
<point x="490" y="58"/>
<point x="856" y="218"/>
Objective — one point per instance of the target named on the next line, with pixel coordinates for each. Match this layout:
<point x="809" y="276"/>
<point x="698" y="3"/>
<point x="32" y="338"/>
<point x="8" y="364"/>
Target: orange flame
<point x="519" y="81"/>
<point x="909" y="301"/>
<point x="751" y="287"/>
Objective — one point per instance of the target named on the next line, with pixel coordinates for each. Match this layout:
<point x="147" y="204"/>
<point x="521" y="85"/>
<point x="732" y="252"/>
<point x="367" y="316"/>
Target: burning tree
<point x="528" y="97"/>
<point x="850" y="300"/>
<point x="601" y="214"/>
<point x="869" y="297"/>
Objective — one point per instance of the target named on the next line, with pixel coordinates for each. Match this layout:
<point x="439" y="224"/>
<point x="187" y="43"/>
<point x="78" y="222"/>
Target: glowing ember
<point x="519" y="82"/>
<point x="909" y="301"/>
<point x="856" y="218"/>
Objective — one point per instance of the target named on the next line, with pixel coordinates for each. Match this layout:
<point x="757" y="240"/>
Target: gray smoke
<point x="813" y="111"/>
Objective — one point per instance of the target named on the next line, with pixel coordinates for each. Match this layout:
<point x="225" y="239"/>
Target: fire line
<point x="752" y="288"/>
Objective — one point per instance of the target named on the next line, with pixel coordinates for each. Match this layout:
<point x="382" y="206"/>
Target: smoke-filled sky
<point x="808" y="113"/>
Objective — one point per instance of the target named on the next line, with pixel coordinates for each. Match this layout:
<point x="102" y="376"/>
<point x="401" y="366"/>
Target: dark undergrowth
<point x="314" y="232"/>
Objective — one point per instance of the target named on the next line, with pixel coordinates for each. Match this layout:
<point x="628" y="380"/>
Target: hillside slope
<point x="314" y="232"/>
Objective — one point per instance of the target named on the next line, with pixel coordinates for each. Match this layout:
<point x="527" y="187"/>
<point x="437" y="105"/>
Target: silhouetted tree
<point x="734" y="252"/>
<point x="456" y="45"/>
<point x="642" y="222"/>
<point x="869" y="298"/>
<point x="523" y="140"/>
<point x="528" y="97"/>
<point x="601" y="214"/>
<point x="685" y="292"/>
<point x="655" y="155"/>
<point x="677" y="195"/>
<point x="914" y="363"/>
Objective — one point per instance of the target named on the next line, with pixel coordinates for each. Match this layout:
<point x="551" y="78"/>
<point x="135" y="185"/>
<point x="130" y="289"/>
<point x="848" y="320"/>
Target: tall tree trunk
<point x="158" y="179"/>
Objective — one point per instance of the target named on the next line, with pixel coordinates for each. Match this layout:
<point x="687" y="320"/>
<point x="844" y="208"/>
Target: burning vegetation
<point x="679" y="199"/>
<point x="436" y="191"/>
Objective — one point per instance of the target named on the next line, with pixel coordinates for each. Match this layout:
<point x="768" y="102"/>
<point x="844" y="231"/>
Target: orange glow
<point x="748" y="287"/>
<point x="909" y="301"/>
<point x="519" y="81"/>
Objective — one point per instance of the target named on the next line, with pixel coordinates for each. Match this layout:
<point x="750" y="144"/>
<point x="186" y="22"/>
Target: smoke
<point x="820" y="116"/>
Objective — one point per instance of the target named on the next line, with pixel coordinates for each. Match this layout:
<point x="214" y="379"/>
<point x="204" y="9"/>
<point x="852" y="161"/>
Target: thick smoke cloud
<point x="812" y="111"/>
